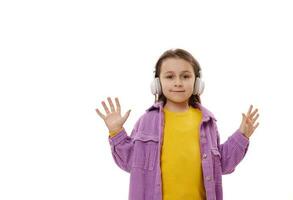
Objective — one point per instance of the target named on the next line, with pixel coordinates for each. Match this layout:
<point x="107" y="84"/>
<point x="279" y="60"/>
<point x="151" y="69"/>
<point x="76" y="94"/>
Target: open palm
<point x="248" y="126"/>
<point x="113" y="119"/>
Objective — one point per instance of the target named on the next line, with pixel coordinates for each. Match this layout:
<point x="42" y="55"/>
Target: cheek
<point x="165" y="84"/>
<point x="190" y="84"/>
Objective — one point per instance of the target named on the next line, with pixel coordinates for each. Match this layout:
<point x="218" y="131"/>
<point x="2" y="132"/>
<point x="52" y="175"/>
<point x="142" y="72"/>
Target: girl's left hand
<point x="247" y="126"/>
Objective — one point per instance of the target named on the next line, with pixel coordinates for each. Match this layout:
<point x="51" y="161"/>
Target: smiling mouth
<point x="178" y="91"/>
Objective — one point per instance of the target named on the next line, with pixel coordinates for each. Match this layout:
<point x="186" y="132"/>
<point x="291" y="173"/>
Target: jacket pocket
<point x="216" y="153"/>
<point x="217" y="166"/>
<point x="216" y="156"/>
<point x="145" y="152"/>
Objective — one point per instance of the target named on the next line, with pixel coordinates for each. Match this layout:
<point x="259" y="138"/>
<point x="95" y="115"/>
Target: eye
<point x="186" y="76"/>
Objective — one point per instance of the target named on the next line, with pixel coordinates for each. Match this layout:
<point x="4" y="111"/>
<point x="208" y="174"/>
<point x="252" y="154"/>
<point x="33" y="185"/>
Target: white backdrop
<point x="60" y="59"/>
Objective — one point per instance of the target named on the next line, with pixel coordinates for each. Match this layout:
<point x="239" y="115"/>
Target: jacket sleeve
<point x="122" y="147"/>
<point x="232" y="151"/>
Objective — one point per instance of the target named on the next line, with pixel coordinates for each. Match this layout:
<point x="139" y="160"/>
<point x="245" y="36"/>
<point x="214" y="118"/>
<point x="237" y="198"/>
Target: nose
<point x="178" y="82"/>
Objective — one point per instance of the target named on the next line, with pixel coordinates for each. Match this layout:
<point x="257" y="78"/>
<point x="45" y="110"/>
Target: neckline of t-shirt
<point x="178" y="112"/>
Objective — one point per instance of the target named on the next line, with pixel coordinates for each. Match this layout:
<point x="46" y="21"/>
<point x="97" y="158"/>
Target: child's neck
<point x="176" y="107"/>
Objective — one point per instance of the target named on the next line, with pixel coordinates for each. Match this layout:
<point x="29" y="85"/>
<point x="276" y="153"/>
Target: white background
<point x="60" y="59"/>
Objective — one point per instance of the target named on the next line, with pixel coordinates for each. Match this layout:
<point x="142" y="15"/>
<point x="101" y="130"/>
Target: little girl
<point x="174" y="150"/>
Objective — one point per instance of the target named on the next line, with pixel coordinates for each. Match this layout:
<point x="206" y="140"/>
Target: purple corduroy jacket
<point x="140" y="154"/>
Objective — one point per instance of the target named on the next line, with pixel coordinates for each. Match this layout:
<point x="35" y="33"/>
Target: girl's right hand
<point x="113" y="119"/>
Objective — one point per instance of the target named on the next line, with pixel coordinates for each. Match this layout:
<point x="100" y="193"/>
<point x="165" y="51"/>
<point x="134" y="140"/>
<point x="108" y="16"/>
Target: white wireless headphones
<point x="198" y="85"/>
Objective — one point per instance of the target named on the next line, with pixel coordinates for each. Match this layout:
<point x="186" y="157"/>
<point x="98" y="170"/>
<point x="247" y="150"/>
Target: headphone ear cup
<point x="198" y="87"/>
<point x="156" y="86"/>
<point x="201" y="89"/>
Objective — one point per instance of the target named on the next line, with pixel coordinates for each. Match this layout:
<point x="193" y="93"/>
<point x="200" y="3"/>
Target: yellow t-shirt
<point x="180" y="158"/>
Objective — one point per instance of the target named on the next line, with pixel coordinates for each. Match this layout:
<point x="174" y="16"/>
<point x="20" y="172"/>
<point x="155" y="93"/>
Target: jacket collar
<point x="205" y="112"/>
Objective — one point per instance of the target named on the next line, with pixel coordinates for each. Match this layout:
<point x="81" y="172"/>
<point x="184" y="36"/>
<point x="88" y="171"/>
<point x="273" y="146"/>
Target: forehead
<point x="175" y="65"/>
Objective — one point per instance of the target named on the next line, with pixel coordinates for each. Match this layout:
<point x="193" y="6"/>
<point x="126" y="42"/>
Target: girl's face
<point x="177" y="80"/>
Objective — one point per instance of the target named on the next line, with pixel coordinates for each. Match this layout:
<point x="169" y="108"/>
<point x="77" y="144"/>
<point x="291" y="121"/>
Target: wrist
<point x="245" y="136"/>
<point x="242" y="132"/>
<point x="116" y="130"/>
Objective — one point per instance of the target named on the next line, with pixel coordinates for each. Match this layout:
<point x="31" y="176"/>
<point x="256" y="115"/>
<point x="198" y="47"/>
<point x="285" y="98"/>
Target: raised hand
<point x="113" y="119"/>
<point x="248" y="126"/>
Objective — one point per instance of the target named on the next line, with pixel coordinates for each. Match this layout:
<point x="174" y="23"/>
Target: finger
<point x="254" y="112"/>
<point x="105" y="107"/>
<point x="126" y="116"/>
<point x="255" y="126"/>
<point x="118" y="105"/>
<point x="247" y="120"/>
<point x="111" y="104"/>
<point x="100" y="114"/>
<point x="250" y="108"/>
<point x="254" y="119"/>
<point x="243" y="117"/>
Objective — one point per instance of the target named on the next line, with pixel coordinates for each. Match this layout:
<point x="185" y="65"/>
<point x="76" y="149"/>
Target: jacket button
<point x="204" y="156"/>
<point x="208" y="178"/>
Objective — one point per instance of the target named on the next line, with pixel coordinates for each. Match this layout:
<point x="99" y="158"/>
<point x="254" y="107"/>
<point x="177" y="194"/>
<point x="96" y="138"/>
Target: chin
<point x="178" y="100"/>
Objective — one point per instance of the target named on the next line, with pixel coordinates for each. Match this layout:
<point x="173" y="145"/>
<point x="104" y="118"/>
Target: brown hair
<point x="183" y="54"/>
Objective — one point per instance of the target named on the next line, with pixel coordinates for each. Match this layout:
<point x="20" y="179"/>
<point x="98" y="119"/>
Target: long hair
<point x="183" y="54"/>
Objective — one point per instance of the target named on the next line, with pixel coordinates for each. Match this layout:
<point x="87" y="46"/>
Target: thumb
<point x="243" y="117"/>
<point x="126" y="116"/>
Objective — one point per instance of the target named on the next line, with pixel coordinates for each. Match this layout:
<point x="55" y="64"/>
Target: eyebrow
<point x="181" y="72"/>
